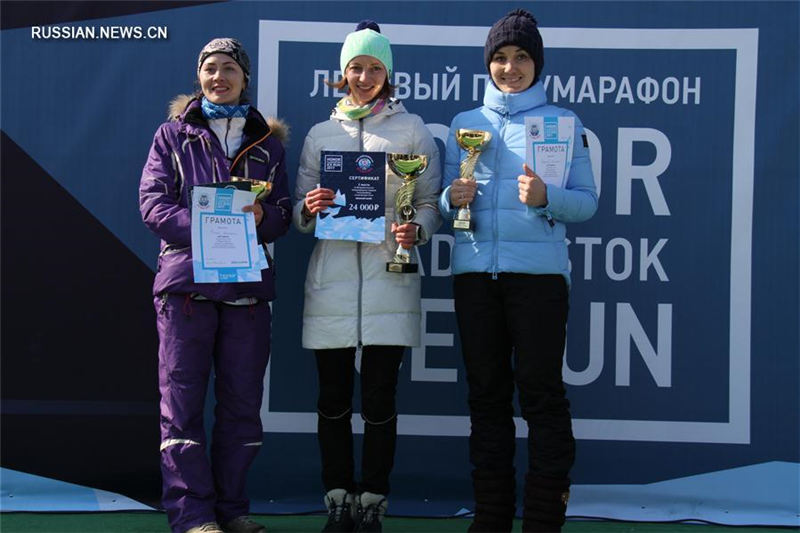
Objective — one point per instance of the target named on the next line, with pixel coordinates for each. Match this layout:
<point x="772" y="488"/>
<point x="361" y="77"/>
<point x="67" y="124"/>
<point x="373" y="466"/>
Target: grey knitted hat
<point x="230" y="47"/>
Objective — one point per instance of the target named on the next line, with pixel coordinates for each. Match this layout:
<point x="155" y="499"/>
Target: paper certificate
<point x="548" y="147"/>
<point x="224" y="244"/>
<point x="359" y="210"/>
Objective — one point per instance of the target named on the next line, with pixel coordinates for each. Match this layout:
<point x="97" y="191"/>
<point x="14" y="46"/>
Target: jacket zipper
<point x="495" y="194"/>
<point x="243" y="151"/>
<point x="358" y="251"/>
<point x="227" y="149"/>
<point x="360" y="289"/>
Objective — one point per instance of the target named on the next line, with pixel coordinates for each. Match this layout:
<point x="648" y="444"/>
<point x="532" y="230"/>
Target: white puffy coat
<point x="349" y="296"/>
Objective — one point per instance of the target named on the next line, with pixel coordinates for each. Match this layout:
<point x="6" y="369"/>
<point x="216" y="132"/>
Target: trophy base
<point x="402" y="268"/>
<point x="464" y="225"/>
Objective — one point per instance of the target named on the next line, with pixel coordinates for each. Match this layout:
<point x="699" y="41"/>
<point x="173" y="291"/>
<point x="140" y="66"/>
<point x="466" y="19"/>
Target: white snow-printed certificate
<point x="358" y="180"/>
<point x="548" y="147"/>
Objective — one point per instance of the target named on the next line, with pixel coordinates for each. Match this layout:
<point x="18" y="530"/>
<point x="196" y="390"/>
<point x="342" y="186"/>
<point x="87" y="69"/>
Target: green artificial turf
<point x="155" y="522"/>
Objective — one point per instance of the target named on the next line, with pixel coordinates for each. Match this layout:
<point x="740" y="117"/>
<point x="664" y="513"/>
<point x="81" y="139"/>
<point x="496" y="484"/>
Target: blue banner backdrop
<point x="682" y="359"/>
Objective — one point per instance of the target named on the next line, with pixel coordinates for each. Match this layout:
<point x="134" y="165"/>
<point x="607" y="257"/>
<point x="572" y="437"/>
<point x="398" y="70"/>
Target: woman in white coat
<point x="351" y="301"/>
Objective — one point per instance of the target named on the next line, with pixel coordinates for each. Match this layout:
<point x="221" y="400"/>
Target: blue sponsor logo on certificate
<point x="365" y="164"/>
<point x="223" y="200"/>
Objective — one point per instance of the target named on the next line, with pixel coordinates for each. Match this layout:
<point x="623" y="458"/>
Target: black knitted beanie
<point x="518" y="28"/>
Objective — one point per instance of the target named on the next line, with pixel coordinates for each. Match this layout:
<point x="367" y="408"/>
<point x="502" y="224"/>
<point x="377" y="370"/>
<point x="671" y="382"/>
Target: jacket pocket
<point x="539" y="221"/>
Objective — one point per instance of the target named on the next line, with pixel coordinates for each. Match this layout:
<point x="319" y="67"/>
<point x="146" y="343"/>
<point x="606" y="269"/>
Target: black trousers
<point x="523" y="318"/>
<point x="380" y="366"/>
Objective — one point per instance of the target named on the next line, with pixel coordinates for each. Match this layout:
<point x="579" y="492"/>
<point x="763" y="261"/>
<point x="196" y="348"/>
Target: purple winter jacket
<point x="186" y="152"/>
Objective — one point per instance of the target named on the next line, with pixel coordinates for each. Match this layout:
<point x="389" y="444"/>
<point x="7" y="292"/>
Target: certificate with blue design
<point x="548" y="147"/>
<point x="359" y="210"/>
<point x="225" y="248"/>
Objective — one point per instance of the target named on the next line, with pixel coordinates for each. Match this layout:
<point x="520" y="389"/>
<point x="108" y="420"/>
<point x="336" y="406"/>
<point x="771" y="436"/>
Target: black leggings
<point x="379" y="369"/>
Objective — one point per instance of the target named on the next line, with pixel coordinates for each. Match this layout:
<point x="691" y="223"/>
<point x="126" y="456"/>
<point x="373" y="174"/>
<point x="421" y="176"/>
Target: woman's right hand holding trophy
<point x="462" y="191"/>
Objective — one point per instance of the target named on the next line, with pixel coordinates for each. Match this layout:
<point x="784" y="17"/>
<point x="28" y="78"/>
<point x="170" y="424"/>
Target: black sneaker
<point x="340" y="511"/>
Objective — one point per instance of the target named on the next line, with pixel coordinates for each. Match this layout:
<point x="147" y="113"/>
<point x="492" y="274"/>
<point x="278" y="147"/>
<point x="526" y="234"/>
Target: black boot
<point x="545" y="504"/>
<point x="495" y="500"/>
<point x="340" y="511"/>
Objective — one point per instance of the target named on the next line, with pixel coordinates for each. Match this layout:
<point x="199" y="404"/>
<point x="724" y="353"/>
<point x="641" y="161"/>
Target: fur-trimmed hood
<point x="178" y="105"/>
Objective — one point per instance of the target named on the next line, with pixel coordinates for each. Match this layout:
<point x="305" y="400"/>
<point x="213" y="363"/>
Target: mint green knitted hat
<point x="366" y="42"/>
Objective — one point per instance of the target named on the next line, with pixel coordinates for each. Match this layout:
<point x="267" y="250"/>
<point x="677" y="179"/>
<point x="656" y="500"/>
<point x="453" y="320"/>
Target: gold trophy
<point x="260" y="187"/>
<point x="407" y="167"/>
<point x="474" y="142"/>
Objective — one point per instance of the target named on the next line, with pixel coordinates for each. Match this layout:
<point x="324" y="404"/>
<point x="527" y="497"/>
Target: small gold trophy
<point x="474" y="142"/>
<point x="260" y="187"/>
<point x="407" y="167"/>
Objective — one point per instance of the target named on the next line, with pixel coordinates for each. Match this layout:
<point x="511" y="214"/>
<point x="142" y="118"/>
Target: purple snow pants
<point x="194" y="335"/>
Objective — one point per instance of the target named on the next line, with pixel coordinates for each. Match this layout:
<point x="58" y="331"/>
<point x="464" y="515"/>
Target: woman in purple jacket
<point x="211" y="137"/>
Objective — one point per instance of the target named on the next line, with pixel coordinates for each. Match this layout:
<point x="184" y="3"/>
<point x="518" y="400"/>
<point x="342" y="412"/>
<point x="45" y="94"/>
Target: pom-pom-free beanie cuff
<point x="366" y="42"/>
<point x="518" y="28"/>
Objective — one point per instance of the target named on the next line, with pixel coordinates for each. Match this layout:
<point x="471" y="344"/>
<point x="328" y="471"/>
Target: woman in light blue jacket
<point x="511" y="285"/>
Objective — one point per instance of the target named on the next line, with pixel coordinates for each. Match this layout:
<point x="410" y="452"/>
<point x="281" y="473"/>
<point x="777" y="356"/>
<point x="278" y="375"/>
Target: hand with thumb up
<point x="532" y="190"/>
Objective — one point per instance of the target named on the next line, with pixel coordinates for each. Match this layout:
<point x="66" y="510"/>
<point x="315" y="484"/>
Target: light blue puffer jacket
<point x="510" y="236"/>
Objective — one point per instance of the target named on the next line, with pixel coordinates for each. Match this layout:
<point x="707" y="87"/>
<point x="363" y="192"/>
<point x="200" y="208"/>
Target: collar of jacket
<point x="513" y="103"/>
<point x="392" y="107"/>
<point x="192" y="116"/>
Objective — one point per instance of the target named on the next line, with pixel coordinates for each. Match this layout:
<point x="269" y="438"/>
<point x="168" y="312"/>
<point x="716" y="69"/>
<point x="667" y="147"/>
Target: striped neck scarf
<point x="355" y="112"/>
<point x="212" y="110"/>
